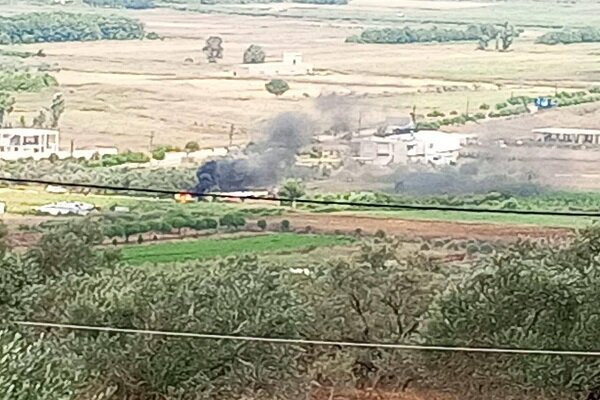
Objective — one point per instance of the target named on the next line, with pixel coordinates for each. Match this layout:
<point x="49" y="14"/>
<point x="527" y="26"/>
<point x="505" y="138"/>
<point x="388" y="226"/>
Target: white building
<point x="291" y="64"/>
<point x="421" y="146"/>
<point x="18" y="143"/>
<point x="385" y="150"/>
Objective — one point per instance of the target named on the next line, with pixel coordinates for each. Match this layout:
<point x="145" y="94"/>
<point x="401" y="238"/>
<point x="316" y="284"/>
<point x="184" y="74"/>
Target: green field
<point x="211" y="248"/>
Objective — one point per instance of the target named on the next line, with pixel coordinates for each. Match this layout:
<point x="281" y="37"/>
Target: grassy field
<point x="211" y="248"/>
<point x="25" y="201"/>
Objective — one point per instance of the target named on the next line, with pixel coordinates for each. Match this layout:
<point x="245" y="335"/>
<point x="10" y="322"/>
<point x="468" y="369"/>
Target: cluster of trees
<point x="569" y="36"/>
<point x="70" y="170"/>
<point x="131" y="4"/>
<point x="483" y="34"/>
<point x="61" y="27"/>
<point x="124" y="226"/>
<point x="509" y="298"/>
<point x="17" y="80"/>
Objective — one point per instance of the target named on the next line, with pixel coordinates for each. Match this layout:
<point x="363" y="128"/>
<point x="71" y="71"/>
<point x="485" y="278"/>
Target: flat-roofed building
<point x="18" y="143"/>
<point x="567" y="135"/>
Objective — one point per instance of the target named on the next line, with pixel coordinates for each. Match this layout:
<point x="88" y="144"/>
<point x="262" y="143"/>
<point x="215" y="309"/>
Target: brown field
<point x="410" y="229"/>
<point x="120" y="93"/>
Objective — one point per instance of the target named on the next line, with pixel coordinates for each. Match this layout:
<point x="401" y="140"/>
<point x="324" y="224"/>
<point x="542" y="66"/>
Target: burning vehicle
<point x="262" y="164"/>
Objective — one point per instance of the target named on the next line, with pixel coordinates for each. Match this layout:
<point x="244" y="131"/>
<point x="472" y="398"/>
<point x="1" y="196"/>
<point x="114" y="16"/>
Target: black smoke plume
<point x="263" y="163"/>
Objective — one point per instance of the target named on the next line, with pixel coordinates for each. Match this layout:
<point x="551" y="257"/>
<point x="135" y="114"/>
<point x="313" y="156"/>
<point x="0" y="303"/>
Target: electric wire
<point x="312" y="342"/>
<point x="277" y="199"/>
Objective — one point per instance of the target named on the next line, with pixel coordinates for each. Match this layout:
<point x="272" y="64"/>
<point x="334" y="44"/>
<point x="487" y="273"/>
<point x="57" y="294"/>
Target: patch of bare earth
<point x="330" y="223"/>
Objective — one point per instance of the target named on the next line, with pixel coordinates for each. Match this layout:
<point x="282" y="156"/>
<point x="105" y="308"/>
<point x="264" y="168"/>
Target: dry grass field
<point x="120" y="93"/>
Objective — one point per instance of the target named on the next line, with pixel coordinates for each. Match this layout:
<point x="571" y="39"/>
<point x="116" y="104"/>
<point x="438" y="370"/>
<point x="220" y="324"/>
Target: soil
<point x="331" y="223"/>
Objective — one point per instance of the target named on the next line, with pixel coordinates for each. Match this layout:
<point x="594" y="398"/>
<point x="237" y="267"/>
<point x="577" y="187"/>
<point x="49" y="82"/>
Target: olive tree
<point x="254" y="55"/>
<point x="277" y="87"/>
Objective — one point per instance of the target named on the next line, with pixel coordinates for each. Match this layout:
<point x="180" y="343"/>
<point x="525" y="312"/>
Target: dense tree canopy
<point x="528" y="295"/>
<point x="433" y="34"/>
<point x="132" y="4"/>
<point x="570" y="36"/>
<point x="62" y="27"/>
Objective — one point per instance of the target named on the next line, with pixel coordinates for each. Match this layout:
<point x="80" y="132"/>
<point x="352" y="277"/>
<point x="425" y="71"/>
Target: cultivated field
<point x="125" y="92"/>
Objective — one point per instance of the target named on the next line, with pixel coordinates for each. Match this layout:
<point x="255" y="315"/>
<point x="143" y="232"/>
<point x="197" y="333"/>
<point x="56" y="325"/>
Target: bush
<point x="380" y="234"/>
<point x="484" y="106"/>
<point x="262" y="224"/>
<point x="501" y="106"/>
<point x="472" y="248"/>
<point x="453" y="112"/>
<point x="152" y="36"/>
<point x="285" y="225"/>
<point x="204" y="224"/>
<point x="140" y="239"/>
<point x="435" y="114"/>
<point x="24" y="81"/>
<point x="232" y="220"/>
<point x="159" y="154"/>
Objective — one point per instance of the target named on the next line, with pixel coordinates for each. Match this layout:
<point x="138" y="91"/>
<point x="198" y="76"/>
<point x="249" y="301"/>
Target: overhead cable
<point x="356" y="204"/>
<point x="311" y="342"/>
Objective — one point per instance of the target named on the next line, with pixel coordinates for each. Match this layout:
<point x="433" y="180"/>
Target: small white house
<point x="291" y="64"/>
<point x="16" y="143"/>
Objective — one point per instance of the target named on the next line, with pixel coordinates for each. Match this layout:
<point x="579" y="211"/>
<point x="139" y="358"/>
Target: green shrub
<point x="472" y="248"/>
<point x="501" y="106"/>
<point x="453" y="113"/>
<point x="479" y="116"/>
<point x="232" y="220"/>
<point x="159" y="154"/>
<point x="140" y="239"/>
<point x="484" y="106"/>
<point x="380" y="234"/>
<point x="262" y="224"/>
<point x="435" y="114"/>
<point x="285" y="225"/>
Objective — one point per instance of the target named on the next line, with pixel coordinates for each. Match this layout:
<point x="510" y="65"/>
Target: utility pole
<point x="467" y="110"/>
<point x="151" y="136"/>
<point x="359" y="121"/>
<point x="231" y="130"/>
<point x="72" y="147"/>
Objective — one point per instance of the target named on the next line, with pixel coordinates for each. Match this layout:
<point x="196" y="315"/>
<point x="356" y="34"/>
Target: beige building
<point x="18" y="143"/>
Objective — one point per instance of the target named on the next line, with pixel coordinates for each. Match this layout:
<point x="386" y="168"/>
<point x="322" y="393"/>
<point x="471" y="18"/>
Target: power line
<point x="312" y="342"/>
<point x="416" y="207"/>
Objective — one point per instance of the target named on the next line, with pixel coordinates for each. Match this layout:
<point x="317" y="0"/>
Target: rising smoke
<point x="263" y="163"/>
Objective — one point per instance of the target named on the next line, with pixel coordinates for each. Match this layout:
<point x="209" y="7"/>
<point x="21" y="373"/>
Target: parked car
<point x="66" y="208"/>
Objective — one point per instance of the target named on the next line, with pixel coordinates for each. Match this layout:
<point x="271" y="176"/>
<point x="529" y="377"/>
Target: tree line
<point x="483" y="34"/>
<point x="570" y="36"/>
<point x="531" y="294"/>
<point x="40" y="27"/>
<point x="130" y="4"/>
